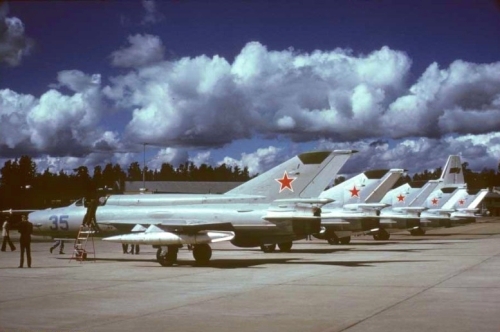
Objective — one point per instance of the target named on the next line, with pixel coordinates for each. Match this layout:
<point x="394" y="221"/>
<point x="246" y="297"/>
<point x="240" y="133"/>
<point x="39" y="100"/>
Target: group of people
<point x="25" y="229"/>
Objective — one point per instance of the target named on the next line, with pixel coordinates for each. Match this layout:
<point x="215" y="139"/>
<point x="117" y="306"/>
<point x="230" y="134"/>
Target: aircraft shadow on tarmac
<point x="332" y="251"/>
<point x="247" y="263"/>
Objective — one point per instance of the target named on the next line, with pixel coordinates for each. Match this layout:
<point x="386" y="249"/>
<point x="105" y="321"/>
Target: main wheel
<point x="345" y="240"/>
<point x="285" y="246"/>
<point x="158" y="254"/>
<point x="168" y="257"/>
<point x="333" y="240"/>
<point x="202" y="253"/>
<point x="382" y="235"/>
<point x="267" y="248"/>
<point x="417" y="232"/>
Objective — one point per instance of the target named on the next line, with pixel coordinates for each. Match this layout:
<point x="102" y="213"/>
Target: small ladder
<point x="80" y="247"/>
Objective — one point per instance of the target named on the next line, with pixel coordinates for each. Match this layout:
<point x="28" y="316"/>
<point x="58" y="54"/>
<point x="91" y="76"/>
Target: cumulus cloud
<point x="143" y="50"/>
<point x="76" y="80"/>
<point x="14" y="44"/>
<point x="419" y="154"/>
<point x="14" y="108"/>
<point x="56" y="123"/>
<point x="461" y="99"/>
<point x="209" y="102"/>
<point x="151" y="15"/>
<point x="171" y="156"/>
<point x="258" y="161"/>
<point x="347" y="100"/>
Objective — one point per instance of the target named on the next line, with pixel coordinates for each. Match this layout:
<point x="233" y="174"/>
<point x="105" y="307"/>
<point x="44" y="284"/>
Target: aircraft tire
<point x="345" y="240"/>
<point x="285" y="246"/>
<point x="202" y="253"/>
<point x="381" y="236"/>
<point x="268" y="248"/>
<point x="417" y="232"/>
<point x="333" y="240"/>
<point x="158" y="254"/>
<point x="168" y="257"/>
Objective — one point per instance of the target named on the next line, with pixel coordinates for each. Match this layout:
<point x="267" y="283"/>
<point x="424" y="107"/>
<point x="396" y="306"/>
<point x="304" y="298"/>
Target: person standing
<point x="6" y="236"/>
<point x="25" y="229"/>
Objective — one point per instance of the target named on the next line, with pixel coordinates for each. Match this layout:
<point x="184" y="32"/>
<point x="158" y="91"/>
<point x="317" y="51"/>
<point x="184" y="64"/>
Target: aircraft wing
<point x="189" y="226"/>
<point x="289" y="217"/>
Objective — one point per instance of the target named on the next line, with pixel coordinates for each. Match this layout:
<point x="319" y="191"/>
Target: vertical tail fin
<point x="424" y="193"/>
<point x="305" y="175"/>
<point x="452" y="171"/>
<point x="455" y="198"/>
<point x="399" y="196"/>
<point x="476" y="199"/>
<point x="349" y="191"/>
<point x="384" y="185"/>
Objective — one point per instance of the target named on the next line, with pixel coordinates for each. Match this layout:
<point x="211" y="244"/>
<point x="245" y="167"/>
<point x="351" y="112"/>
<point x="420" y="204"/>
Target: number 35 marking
<point x="59" y="223"/>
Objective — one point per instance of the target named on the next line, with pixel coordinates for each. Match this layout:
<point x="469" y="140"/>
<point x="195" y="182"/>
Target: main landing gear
<point x="417" y="232"/>
<point x="335" y="240"/>
<point x="381" y="235"/>
<point x="284" y="247"/>
<point x="167" y="256"/>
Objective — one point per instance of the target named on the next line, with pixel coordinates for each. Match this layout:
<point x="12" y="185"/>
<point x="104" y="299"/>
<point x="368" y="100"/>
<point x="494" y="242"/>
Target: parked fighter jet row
<point x="284" y="204"/>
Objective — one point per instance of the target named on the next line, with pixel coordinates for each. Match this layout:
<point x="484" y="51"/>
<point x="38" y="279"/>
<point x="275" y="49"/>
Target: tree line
<point x="22" y="187"/>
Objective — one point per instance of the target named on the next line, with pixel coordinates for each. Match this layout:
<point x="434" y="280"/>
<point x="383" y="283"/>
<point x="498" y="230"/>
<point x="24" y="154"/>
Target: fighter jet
<point x="356" y="204"/>
<point x="277" y="207"/>
<point x="409" y="201"/>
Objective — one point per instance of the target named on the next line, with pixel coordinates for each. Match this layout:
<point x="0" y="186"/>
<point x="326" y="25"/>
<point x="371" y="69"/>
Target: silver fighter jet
<point x="277" y="207"/>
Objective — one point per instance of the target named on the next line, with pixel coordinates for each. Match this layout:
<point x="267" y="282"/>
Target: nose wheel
<point x="267" y="248"/>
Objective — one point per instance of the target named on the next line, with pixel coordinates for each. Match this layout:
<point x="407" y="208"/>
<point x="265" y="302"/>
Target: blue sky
<point x="250" y="82"/>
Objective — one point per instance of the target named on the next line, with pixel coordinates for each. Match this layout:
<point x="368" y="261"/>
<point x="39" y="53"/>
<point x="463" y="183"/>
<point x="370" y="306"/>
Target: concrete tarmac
<point x="447" y="280"/>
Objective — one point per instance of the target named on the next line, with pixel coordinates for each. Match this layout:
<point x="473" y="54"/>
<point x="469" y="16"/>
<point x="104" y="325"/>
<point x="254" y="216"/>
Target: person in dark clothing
<point x="89" y="219"/>
<point x="125" y="248"/>
<point x="25" y="228"/>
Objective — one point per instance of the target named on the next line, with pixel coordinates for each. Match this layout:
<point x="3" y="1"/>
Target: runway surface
<point x="447" y="280"/>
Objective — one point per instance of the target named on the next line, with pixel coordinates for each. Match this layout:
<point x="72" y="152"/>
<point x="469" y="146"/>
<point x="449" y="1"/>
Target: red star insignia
<point x="461" y="202"/>
<point x="401" y="198"/>
<point x="285" y="182"/>
<point x="354" y="191"/>
<point x="435" y="201"/>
